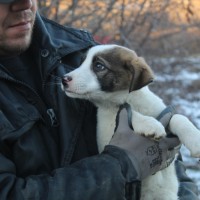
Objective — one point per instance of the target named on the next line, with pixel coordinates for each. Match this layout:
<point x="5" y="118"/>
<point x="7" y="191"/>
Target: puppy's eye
<point x="99" y="66"/>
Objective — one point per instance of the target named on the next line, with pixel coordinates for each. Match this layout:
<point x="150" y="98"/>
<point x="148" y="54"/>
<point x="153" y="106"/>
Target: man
<point x="47" y="140"/>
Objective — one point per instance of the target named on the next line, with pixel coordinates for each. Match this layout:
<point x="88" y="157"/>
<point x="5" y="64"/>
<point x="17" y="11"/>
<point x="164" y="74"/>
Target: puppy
<point x="112" y="75"/>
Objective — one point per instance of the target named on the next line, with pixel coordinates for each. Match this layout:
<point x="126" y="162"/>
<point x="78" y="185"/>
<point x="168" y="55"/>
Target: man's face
<point x="16" y="25"/>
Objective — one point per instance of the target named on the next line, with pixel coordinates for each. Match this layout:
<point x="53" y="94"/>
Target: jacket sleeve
<point x="98" y="177"/>
<point x="187" y="188"/>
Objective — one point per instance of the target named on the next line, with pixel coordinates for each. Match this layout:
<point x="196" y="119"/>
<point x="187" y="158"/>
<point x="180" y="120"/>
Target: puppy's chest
<point x="107" y="117"/>
<point x="106" y="122"/>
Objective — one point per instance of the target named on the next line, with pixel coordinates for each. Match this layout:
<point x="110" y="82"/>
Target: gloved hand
<point x="147" y="155"/>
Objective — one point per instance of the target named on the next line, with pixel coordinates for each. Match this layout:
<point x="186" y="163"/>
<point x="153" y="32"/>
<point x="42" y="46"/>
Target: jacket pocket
<point x="5" y="125"/>
<point x="17" y="120"/>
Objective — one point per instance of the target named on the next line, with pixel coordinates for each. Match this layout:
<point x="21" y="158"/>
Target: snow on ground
<point x="178" y="83"/>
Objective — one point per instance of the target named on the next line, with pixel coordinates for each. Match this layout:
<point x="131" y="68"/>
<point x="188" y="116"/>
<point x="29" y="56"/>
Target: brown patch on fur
<point x="115" y="77"/>
<point x="142" y="74"/>
<point x="125" y="70"/>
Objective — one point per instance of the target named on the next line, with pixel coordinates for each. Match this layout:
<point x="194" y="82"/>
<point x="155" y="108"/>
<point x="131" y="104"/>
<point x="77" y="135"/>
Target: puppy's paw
<point x="188" y="134"/>
<point x="150" y="127"/>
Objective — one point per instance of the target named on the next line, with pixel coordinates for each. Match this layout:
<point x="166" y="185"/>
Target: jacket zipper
<point x="50" y="111"/>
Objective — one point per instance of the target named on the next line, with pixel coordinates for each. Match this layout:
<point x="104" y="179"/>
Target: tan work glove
<point x="147" y="155"/>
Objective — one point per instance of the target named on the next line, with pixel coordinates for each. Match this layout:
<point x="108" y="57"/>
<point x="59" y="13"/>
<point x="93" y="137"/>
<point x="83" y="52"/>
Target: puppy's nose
<point x="66" y="80"/>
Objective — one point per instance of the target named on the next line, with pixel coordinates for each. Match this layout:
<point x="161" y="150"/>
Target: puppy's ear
<point x="142" y="74"/>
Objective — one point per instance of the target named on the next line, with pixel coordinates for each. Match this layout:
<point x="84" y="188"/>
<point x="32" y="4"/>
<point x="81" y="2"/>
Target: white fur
<point x="145" y="107"/>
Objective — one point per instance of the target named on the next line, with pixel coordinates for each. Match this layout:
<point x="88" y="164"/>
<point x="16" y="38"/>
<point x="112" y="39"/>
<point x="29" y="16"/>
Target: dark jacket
<point x="47" y="141"/>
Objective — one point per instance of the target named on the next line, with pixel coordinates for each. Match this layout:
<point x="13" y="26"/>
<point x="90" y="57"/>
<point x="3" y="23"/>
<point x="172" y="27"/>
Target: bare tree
<point x="138" y="24"/>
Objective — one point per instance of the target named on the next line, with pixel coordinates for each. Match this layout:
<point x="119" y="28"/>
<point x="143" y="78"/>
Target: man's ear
<point x="142" y="74"/>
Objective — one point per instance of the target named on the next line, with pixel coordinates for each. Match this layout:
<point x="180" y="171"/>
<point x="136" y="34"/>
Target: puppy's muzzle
<point x="65" y="80"/>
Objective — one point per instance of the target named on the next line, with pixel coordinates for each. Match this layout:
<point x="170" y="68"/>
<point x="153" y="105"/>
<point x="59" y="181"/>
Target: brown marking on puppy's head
<point x="118" y="68"/>
<point x="142" y="74"/>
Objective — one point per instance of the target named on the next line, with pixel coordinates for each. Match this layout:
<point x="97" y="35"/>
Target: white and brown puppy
<point x="112" y="75"/>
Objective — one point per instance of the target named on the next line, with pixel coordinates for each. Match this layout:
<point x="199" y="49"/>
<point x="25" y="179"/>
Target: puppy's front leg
<point x="105" y="127"/>
<point x="188" y="134"/>
<point x="147" y="126"/>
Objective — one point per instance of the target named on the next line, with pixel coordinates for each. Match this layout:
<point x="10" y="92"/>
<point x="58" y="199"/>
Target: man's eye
<point x="99" y="66"/>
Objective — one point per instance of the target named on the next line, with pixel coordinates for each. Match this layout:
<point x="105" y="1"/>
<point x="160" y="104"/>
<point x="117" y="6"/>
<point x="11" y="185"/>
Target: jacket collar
<point x="52" y="41"/>
<point x="58" y="39"/>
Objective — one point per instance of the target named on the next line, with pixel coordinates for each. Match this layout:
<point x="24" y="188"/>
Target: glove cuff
<point x="129" y="171"/>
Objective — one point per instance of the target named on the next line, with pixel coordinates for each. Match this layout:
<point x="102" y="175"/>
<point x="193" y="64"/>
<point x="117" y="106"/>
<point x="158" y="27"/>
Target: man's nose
<point x="19" y="5"/>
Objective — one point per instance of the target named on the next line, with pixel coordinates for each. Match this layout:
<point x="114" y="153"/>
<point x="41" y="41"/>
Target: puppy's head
<point x="107" y="68"/>
<point x="119" y="68"/>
